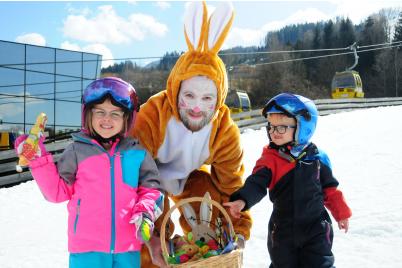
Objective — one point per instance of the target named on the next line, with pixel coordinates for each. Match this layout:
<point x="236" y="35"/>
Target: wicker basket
<point x="233" y="259"/>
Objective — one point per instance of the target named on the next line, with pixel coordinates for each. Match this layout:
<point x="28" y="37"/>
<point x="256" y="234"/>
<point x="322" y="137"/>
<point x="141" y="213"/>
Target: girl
<point x="109" y="180"/>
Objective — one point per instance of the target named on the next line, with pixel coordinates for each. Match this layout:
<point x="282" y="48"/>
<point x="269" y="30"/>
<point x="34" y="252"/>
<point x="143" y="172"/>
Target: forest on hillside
<point x="299" y="58"/>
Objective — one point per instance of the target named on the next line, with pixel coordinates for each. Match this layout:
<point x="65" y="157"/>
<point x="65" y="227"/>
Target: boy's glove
<point x="143" y="225"/>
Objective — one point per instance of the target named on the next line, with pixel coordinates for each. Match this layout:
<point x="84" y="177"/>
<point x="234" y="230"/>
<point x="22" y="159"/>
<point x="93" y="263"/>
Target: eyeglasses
<point x="100" y="114"/>
<point x="281" y="129"/>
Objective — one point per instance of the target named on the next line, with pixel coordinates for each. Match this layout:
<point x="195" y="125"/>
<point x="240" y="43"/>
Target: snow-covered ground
<point x="365" y="149"/>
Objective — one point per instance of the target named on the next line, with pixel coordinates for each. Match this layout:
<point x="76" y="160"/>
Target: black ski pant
<point x="293" y="245"/>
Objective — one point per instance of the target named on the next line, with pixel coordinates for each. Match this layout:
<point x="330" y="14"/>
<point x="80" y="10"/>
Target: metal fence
<point x="254" y="119"/>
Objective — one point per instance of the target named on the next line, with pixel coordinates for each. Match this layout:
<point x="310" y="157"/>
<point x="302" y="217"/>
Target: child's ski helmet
<point x="122" y="93"/>
<point x="302" y="109"/>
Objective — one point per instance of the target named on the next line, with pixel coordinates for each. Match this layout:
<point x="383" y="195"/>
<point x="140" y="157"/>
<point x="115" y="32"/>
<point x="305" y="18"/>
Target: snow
<point x="364" y="147"/>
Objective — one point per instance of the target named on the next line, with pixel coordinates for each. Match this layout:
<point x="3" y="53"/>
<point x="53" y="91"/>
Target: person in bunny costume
<point x="187" y="127"/>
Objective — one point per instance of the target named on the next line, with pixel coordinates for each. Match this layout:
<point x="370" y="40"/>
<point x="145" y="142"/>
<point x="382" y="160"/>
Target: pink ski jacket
<point x="104" y="190"/>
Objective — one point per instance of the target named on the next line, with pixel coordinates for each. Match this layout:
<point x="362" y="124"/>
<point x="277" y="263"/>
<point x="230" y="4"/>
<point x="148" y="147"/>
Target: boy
<point x="300" y="182"/>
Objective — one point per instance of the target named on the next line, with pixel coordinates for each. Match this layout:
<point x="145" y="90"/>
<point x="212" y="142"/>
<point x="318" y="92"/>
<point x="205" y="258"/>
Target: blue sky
<point x="132" y="29"/>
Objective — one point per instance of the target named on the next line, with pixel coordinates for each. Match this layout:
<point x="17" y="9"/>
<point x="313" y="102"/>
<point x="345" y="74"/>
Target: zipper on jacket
<point x="273" y="234"/>
<point x="328" y="231"/>
<point x="112" y="188"/>
<point x="77" y="215"/>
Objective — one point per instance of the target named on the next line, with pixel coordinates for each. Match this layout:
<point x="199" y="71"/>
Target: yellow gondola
<point x="6" y="140"/>
<point x="238" y="101"/>
<point x="347" y="84"/>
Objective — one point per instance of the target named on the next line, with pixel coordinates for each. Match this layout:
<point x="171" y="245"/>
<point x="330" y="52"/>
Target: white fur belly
<point x="182" y="152"/>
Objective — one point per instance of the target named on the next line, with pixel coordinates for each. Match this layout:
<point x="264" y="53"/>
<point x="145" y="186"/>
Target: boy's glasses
<point x="281" y="129"/>
<point x="114" y="115"/>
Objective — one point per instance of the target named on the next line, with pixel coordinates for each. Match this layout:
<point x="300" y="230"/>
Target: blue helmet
<point x="302" y="109"/>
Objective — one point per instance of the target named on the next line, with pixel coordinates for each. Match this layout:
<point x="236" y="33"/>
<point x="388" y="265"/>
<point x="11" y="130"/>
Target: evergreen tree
<point x="366" y="38"/>
<point x="328" y="35"/>
<point x="317" y="38"/>
<point x="398" y="56"/>
<point x="168" y="60"/>
<point x="374" y="32"/>
<point x="398" y="29"/>
<point x="346" y="34"/>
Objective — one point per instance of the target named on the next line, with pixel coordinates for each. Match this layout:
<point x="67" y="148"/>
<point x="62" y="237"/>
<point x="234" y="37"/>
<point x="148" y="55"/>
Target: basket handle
<point x="181" y="203"/>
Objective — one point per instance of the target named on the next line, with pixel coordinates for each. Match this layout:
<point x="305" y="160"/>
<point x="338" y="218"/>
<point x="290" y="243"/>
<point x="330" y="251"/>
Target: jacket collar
<point x="285" y="151"/>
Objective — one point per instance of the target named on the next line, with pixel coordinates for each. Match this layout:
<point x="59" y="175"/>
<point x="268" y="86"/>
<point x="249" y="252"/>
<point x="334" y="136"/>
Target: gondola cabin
<point x="6" y="140"/>
<point x="347" y="84"/>
<point x="238" y="101"/>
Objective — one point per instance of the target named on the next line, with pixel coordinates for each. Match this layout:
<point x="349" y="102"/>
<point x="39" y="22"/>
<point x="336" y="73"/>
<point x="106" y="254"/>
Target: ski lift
<point x="238" y="101"/>
<point x="347" y="84"/>
<point x="6" y="140"/>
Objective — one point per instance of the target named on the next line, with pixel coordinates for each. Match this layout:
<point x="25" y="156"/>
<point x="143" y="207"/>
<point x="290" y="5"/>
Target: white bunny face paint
<point x="197" y="102"/>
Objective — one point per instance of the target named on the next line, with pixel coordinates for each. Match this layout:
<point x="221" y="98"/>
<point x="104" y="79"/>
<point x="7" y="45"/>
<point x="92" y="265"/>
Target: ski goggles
<point x="121" y="92"/>
<point x="287" y="104"/>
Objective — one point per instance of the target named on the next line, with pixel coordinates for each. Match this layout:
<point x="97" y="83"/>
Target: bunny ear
<point x="219" y="26"/>
<point x="195" y="23"/>
<point x="189" y="215"/>
<point x="206" y="210"/>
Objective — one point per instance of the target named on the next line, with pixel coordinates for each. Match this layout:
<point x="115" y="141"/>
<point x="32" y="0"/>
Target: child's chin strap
<point x="285" y="151"/>
<point x="290" y="157"/>
<point x="101" y="140"/>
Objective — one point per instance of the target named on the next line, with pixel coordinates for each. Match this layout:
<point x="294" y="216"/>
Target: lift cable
<point x="310" y="58"/>
<point x="384" y="46"/>
<point x="220" y="54"/>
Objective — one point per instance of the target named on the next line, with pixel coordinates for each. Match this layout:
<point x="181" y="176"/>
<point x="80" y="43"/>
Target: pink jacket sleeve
<point x="150" y="202"/>
<point x="46" y="175"/>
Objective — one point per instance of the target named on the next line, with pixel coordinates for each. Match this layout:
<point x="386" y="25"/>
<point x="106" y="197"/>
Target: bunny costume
<point x="192" y="163"/>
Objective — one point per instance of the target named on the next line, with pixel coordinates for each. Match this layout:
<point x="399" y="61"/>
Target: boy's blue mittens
<point x="144" y="226"/>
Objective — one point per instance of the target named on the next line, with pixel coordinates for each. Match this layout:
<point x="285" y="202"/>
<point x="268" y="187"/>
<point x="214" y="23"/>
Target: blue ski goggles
<point x="121" y="92"/>
<point x="289" y="104"/>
